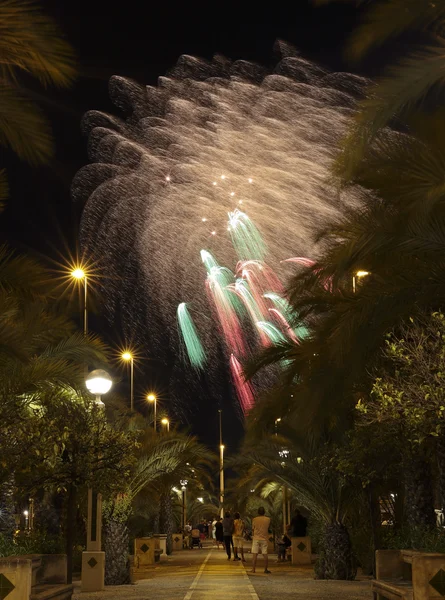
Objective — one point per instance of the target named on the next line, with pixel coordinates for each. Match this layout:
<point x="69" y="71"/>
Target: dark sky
<point x="143" y="40"/>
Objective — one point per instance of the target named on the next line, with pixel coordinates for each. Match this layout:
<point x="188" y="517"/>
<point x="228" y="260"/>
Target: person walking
<point x="260" y="533"/>
<point x="228" y="532"/>
<point x="219" y="533"/>
<point x="214" y="530"/>
<point x="238" y="537"/>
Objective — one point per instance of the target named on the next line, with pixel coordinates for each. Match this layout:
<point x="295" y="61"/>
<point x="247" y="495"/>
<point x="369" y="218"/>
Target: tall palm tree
<point x="314" y="485"/>
<point x="160" y="457"/>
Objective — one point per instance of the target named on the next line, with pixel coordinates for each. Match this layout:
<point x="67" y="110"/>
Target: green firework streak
<point x="195" y="351"/>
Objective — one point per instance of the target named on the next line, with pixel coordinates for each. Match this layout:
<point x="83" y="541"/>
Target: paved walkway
<point x="207" y="575"/>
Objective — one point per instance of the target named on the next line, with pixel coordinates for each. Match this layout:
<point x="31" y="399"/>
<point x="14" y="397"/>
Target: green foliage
<point x="32" y="543"/>
<point x="410" y="394"/>
<point x="417" y="538"/>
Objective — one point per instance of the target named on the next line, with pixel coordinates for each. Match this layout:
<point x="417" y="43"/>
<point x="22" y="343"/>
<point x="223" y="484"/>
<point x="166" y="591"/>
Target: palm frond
<point x="31" y="42"/>
<point x="23" y="127"/>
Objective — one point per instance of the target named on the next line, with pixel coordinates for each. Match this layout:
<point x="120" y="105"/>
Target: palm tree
<point x="314" y="485"/>
<point x="416" y="77"/>
<point x="159" y="458"/>
<point x="30" y="44"/>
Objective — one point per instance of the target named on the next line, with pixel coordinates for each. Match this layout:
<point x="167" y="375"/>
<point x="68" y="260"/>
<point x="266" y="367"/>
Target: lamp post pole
<point x="132" y="384"/>
<point x="85" y="306"/>
<point x="98" y="383"/>
<point x="152" y="398"/>
<point x="221" y="465"/>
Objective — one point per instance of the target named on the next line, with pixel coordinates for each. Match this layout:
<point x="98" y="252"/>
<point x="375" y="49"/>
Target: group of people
<point x="233" y="534"/>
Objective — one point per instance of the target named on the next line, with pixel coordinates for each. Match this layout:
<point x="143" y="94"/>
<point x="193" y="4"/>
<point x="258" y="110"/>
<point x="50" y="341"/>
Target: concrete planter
<point x="301" y="551"/>
<point x="15" y="578"/>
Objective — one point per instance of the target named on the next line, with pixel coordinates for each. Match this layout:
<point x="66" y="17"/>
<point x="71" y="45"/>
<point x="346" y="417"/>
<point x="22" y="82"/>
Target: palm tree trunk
<point x="167" y="519"/>
<point x="336" y="559"/>
<point x="117" y="541"/>
<point x="419" y="496"/>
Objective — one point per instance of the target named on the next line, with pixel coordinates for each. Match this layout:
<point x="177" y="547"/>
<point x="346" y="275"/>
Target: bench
<point x="409" y="575"/>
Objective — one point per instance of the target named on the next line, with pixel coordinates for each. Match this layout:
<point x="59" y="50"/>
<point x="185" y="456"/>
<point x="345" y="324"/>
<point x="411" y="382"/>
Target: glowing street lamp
<point x="359" y="275"/>
<point x="128" y="357"/>
<point x="79" y="275"/>
<point x="166" y="422"/>
<point x="98" y="382"/>
<point x="152" y="398"/>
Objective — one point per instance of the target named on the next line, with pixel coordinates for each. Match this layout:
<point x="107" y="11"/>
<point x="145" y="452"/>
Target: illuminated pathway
<point x="207" y="575"/>
<point x="223" y="580"/>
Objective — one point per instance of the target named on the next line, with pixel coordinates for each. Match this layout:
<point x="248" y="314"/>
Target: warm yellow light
<point x="250" y="180"/>
<point x="222" y="447"/>
<point x="164" y="421"/>
<point x="213" y="232"/>
<point x="151" y="397"/>
<point x="223" y="176"/>
<point x="232" y="193"/>
<point x="204" y="219"/>
<point x="278" y="420"/>
<point x="127" y="356"/>
<point x="362" y="273"/>
<point x="78" y="273"/>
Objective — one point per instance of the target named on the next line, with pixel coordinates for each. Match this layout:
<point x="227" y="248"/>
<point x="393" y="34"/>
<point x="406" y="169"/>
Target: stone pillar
<point x="93" y="571"/>
<point x="15" y="578"/>
<point x="93" y="560"/>
<point x="177" y="541"/>
<point x="144" y="558"/>
<point x="301" y="551"/>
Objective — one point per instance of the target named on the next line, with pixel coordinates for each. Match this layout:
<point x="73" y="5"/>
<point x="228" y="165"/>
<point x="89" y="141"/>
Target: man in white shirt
<point x="260" y="534"/>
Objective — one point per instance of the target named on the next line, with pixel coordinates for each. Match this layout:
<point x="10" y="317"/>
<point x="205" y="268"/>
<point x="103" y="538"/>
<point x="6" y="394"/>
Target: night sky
<point x="142" y="40"/>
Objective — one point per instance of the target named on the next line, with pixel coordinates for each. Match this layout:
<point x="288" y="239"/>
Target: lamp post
<point x="166" y="422"/>
<point x="98" y="382"/>
<point x="152" y="398"/>
<point x="221" y="466"/>
<point x="356" y="276"/>
<point x="128" y="357"/>
<point x="184" y="483"/>
<point x="80" y="275"/>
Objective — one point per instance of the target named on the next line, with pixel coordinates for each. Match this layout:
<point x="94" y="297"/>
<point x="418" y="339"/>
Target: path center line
<point x="250" y="587"/>
<point x="197" y="578"/>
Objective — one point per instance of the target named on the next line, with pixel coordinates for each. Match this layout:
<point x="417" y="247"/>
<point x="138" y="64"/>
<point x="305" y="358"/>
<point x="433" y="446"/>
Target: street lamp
<point x="358" y="275"/>
<point x="152" y="398"/>
<point x="128" y="357"/>
<point x="98" y="382"/>
<point x="221" y="465"/>
<point x="184" y="483"/>
<point x="79" y="275"/>
<point x="166" y="422"/>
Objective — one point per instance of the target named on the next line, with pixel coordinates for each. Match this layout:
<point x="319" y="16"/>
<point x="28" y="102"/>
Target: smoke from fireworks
<point x="196" y="199"/>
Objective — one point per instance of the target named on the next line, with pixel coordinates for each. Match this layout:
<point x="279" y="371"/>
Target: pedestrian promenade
<point x="207" y="575"/>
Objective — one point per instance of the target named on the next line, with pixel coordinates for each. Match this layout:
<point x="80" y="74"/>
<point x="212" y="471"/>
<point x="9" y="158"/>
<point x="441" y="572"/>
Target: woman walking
<point x="219" y="533"/>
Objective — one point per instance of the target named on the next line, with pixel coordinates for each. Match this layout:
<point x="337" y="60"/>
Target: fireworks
<point x="226" y="158"/>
